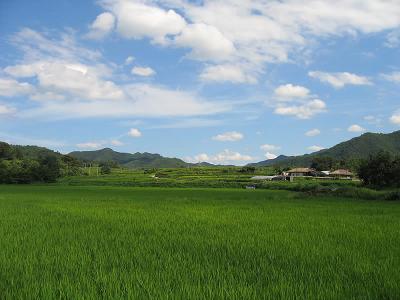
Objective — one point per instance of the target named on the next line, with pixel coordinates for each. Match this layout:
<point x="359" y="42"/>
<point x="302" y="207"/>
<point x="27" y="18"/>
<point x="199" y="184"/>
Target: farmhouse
<point x="301" y="172"/>
<point x="342" y="173"/>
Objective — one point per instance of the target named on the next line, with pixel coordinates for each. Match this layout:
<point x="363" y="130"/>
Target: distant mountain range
<point x="356" y="148"/>
<point x="129" y="160"/>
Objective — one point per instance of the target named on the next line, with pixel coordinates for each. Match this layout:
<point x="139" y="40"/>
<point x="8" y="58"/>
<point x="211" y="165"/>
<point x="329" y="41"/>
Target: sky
<point x="223" y="81"/>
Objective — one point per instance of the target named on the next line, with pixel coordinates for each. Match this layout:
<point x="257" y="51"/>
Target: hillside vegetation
<point x="357" y="148"/>
<point x="136" y="160"/>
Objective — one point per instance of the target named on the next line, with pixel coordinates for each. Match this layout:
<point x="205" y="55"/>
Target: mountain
<point x="129" y="160"/>
<point x="356" y="148"/>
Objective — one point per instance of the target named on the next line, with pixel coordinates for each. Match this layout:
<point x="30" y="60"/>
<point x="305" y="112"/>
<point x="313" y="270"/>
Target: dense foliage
<point x="129" y="160"/>
<point x="381" y="170"/>
<point x="34" y="164"/>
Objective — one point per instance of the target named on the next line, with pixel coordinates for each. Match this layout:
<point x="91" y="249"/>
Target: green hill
<point x="129" y="160"/>
<point x="356" y="148"/>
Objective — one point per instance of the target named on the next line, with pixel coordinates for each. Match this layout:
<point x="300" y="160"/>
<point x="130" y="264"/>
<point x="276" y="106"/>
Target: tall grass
<point x="113" y="242"/>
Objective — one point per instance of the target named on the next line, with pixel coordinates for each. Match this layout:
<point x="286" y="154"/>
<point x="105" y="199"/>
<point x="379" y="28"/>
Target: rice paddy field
<point x="94" y="242"/>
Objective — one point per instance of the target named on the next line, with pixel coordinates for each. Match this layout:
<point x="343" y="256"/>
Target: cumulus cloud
<point x="137" y="19"/>
<point x="134" y="132"/>
<point x="70" y="81"/>
<point x="355" y="128"/>
<point x="302" y="111"/>
<point x="295" y="100"/>
<point x="395" y="118"/>
<point x="231" y="136"/>
<point x="129" y="60"/>
<point x="143" y="71"/>
<point x="224" y="157"/>
<point x="315" y="148"/>
<point x="313" y="132"/>
<point x="102" y="25"/>
<point x="78" y="80"/>
<point x="339" y="80"/>
<point x="206" y="42"/>
<point x="277" y="32"/>
<point x="227" y="73"/>
<point x="270" y="155"/>
<point x="290" y="91"/>
<point x="10" y="87"/>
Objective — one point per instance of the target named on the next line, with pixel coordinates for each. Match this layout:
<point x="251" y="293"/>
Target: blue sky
<point x="227" y="82"/>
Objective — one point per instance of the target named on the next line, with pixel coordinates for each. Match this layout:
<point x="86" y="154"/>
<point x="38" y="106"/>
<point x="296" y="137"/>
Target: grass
<point x="120" y="242"/>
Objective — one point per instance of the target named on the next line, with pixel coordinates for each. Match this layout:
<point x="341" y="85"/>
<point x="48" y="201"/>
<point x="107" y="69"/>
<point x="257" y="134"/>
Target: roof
<point x="343" y="172"/>
<point x="301" y="170"/>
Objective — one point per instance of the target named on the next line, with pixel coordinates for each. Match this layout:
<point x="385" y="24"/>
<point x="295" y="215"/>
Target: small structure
<point x="301" y="172"/>
<point x="342" y="174"/>
<point x="269" y="178"/>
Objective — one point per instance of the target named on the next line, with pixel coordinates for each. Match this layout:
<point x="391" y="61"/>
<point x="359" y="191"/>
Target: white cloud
<point x="224" y="157"/>
<point x="315" y="148"/>
<point x="134" y="132"/>
<point x="90" y="145"/>
<point x="102" y="25"/>
<point x="231" y="136"/>
<point x="137" y="20"/>
<point x="129" y="60"/>
<point x="10" y="87"/>
<point x="393" y="77"/>
<point x="393" y="39"/>
<point x="254" y="32"/>
<point x="395" y="118"/>
<point x="142" y="100"/>
<point x="227" y="73"/>
<point x="270" y="155"/>
<point x="116" y="143"/>
<point x="206" y="42"/>
<point x="313" y="132"/>
<point x="339" y="80"/>
<point x="6" y="110"/>
<point x="143" y="71"/>
<point x="375" y="120"/>
<point x="302" y="111"/>
<point x="291" y="91"/>
<point x="295" y="100"/>
<point x="73" y="82"/>
<point x="268" y="147"/>
<point x="355" y="128"/>
<point x="77" y="80"/>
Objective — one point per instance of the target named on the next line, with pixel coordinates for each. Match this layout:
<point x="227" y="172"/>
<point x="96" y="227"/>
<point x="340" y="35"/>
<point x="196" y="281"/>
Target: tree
<point x="6" y="151"/>
<point x="322" y="163"/>
<point x="105" y="169"/>
<point x="247" y="169"/>
<point x="380" y="170"/>
<point x="49" y="170"/>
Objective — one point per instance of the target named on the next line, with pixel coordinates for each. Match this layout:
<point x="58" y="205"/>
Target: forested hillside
<point x="355" y="149"/>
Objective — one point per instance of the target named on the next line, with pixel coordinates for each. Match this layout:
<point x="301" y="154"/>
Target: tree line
<point x="17" y="166"/>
